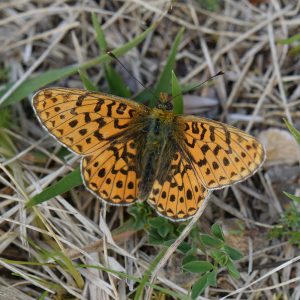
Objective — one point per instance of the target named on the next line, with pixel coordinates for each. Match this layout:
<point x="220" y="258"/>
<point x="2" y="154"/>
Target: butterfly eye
<point x="169" y="106"/>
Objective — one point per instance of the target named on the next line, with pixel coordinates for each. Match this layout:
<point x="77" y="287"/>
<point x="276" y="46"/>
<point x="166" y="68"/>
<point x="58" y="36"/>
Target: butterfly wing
<point x="103" y="129"/>
<point x="83" y="121"/>
<point x="110" y="172"/>
<point x="181" y="193"/>
<point x="220" y="154"/>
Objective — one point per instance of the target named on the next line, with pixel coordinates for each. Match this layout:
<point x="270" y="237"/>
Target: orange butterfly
<point x="132" y="152"/>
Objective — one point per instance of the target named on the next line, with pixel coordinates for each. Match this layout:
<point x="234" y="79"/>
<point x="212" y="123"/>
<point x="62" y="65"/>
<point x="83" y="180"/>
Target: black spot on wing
<point x="47" y="94"/>
<point x="202" y="162"/>
<point x="192" y="144"/>
<point x="215" y="165"/>
<point x="73" y="123"/>
<point x="87" y="118"/>
<point x="119" y="126"/>
<point x="212" y="133"/>
<point x="216" y="150"/>
<point x="80" y="100"/>
<point x="225" y="161"/>
<point x="119" y="184"/>
<point x="100" y="122"/>
<point x="98" y="105"/>
<point x="82" y="131"/>
<point x="121" y="108"/>
<point x="195" y="128"/>
<point x="189" y="194"/>
<point x="203" y="131"/>
<point x="204" y="149"/>
<point x="109" y="108"/>
<point x="98" y="135"/>
<point x="102" y="173"/>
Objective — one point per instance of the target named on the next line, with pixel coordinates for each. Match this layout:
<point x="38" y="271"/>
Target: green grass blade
<point x="31" y="85"/>
<point x="68" y="182"/>
<point x="43" y="296"/>
<point x="87" y="83"/>
<point x="147" y="273"/>
<point x="293" y="131"/>
<point x="166" y="291"/>
<point x="290" y="40"/>
<point x="163" y="84"/>
<point x="293" y="197"/>
<point x="295" y="50"/>
<point x="71" y="268"/>
<point x="119" y="51"/>
<point x="177" y="94"/>
<point x="143" y="96"/>
<point x="100" y="36"/>
<point x="116" y="84"/>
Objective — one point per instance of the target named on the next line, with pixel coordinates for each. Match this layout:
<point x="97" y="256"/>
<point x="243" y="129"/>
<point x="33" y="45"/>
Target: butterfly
<point x="131" y="152"/>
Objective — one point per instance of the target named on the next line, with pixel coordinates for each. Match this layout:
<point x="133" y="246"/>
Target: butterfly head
<point x="165" y="102"/>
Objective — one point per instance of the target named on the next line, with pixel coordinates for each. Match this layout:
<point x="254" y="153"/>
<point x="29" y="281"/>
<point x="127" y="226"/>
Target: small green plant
<point x="212" y="247"/>
<point x="211" y="5"/>
<point x="293" y="40"/>
<point x="140" y="213"/>
<point x="218" y="255"/>
<point x="289" y="227"/>
<point x="204" y="254"/>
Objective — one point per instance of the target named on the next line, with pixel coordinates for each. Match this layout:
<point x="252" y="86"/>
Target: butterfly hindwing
<point x="110" y="173"/>
<point x="82" y="120"/>
<point x="181" y="193"/>
<point x="221" y="154"/>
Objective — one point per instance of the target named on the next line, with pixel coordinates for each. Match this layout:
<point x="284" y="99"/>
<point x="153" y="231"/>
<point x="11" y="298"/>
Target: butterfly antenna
<point x="109" y="53"/>
<point x="197" y="85"/>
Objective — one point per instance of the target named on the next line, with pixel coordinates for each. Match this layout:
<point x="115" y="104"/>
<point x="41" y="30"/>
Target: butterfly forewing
<point x="220" y="154"/>
<point x="82" y="120"/>
<point x="100" y="127"/>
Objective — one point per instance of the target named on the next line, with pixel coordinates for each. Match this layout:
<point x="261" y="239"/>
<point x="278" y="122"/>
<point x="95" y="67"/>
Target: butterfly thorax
<point x="157" y="151"/>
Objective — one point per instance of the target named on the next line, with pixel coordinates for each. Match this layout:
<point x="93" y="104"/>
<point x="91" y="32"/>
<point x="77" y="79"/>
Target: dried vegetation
<point x="260" y="88"/>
